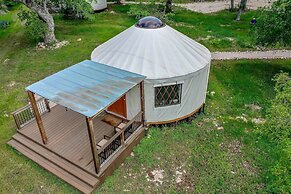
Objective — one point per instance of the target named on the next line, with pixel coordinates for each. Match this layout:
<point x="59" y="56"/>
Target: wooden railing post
<point x="37" y="117"/>
<point x="47" y="105"/>
<point x="16" y="122"/>
<point x="122" y="137"/>
<point x="90" y="127"/>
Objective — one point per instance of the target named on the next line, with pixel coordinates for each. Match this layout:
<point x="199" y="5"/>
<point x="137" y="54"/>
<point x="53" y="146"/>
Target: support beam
<point x="37" y="117"/>
<point x="142" y="101"/>
<point x="90" y="127"/>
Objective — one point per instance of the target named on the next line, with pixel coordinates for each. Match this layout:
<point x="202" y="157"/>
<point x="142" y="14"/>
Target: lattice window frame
<point x="168" y="95"/>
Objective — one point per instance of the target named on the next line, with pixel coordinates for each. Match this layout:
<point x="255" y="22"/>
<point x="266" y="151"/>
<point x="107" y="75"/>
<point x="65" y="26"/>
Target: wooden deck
<point x="68" y="153"/>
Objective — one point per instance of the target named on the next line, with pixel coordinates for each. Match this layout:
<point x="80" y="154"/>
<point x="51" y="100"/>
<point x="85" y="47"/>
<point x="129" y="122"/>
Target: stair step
<point x="59" y="172"/>
<point x="57" y="160"/>
<point x="70" y="173"/>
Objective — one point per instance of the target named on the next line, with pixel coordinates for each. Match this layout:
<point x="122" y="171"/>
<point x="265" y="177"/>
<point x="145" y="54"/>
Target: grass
<point x="231" y="160"/>
<point x="217" y="31"/>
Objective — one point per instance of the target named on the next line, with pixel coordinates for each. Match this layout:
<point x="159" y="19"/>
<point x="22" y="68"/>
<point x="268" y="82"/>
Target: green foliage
<point x="4" y="24"/>
<point x="36" y="28"/>
<point x="279" y="122"/>
<point x="278" y="128"/>
<point x="152" y="9"/>
<point x="77" y="9"/>
<point x="138" y="12"/>
<point x="273" y="25"/>
<point x="10" y="4"/>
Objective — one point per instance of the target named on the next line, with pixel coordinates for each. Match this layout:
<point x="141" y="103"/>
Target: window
<point x="168" y="95"/>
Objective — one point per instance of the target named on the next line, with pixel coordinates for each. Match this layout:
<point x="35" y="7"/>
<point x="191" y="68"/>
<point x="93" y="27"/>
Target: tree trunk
<point x="43" y="13"/>
<point x="169" y="4"/>
<point x="231" y="5"/>
<point x="242" y="7"/>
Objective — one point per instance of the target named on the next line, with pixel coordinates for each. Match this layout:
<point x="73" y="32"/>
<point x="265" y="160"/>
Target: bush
<point x="4" y="24"/>
<point x="152" y="9"/>
<point x="35" y="28"/>
<point x="273" y="25"/>
<point x="77" y="9"/>
<point x="278" y="128"/>
<point x="278" y="124"/>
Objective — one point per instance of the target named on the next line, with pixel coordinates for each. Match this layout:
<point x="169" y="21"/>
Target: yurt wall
<point x="133" y="102"/>
<point x="193" y="95"/>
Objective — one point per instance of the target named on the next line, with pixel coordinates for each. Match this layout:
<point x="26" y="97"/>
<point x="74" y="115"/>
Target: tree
<point x="42" y="7"/>
<point x="231" y="5"/>
<point x="273" y="25"/>
<point x="169" y="4"/>
<point x="242" y="7"/>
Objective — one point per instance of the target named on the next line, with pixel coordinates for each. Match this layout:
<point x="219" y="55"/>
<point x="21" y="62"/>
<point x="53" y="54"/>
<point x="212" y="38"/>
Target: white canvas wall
<point x="133" y="105"/>
<point x="194" y="89"/>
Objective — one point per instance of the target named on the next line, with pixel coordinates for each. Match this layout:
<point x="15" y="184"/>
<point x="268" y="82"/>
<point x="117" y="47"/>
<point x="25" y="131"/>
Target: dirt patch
<point x="57" y="45"/>
<point x="258" y="121"/>
<point x="253" y="107"/>
<point x="235" y="147"/>
<point x="155" y="176"/>
<point x="242" y="118"/>
<point x="11" y="84"/>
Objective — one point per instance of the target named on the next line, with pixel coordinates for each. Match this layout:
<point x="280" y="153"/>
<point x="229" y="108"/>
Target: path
<point x="274" y="54"/>
<point x="215" y="6"/>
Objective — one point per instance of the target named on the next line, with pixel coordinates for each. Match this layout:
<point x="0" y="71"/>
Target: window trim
<point x="165" y="85"/>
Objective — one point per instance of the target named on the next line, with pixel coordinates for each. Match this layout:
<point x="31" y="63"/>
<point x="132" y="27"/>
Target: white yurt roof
<point x="155" y="52"/>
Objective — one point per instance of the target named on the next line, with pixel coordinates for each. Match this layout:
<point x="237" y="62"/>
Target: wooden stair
<point x="74" y="175"/>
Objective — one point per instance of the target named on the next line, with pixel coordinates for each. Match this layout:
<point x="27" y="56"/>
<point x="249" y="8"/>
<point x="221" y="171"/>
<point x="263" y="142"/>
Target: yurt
<point x="98" y="5"/>
<point x="176" y="68"/>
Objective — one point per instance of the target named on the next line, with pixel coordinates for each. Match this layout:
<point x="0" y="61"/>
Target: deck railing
<point x="119" y="139"/>
<point x="25" y="115"/>
<point x="132" y="126"/>
<point x="110" y="147"/>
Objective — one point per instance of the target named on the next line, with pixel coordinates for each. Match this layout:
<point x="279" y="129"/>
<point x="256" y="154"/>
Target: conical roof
<point x="157" y="53"/>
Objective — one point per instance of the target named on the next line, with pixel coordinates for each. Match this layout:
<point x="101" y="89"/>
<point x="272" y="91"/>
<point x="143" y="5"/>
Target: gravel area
<point x="215" y="6"/>
<point x="273" y="54"/>
<point x="210" y="7"/>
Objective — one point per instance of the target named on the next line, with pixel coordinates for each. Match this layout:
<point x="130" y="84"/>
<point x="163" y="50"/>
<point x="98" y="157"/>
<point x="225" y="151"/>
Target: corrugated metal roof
<point x="87" y="87"/>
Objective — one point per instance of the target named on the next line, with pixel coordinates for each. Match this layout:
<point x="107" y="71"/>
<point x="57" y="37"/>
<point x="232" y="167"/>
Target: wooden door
<point x="119" y="107"/>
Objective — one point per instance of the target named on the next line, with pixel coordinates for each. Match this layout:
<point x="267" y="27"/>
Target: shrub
<point x="77" y="9"/>
<point x="278" y="124"/>
<point x="4" y="24"/>
<point x="35" y="28"/>
<point x="278" y="128"/>
<point x="152" y="9"/>
<point x="273" y="25"/>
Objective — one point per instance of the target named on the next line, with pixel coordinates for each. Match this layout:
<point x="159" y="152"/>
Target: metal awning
<point x="87" y="87"/>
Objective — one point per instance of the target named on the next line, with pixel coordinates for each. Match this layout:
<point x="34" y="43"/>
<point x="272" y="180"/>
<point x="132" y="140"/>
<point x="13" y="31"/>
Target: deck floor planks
<point x="68" y="135"/>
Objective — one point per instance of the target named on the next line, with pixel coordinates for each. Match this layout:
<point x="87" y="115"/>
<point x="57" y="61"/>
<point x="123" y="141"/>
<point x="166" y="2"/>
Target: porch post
<point x="90" y="127"/>
<point x="142" y="101"/>
<point x="37" y="117"/>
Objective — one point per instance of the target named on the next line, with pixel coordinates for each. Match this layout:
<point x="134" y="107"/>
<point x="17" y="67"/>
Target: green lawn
<point x="235" y="159"/>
